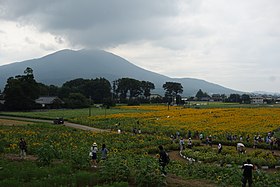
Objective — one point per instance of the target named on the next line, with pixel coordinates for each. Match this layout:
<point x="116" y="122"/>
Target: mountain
<point x="65" y="65"/>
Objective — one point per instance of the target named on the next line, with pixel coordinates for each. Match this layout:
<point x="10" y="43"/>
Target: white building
<point x="257" y="100"/>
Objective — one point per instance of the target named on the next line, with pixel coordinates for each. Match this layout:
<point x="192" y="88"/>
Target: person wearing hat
<point x="94" y="150"/>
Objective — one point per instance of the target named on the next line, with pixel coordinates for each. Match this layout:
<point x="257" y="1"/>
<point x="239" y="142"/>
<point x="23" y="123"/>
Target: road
<point x="67" y="124"/>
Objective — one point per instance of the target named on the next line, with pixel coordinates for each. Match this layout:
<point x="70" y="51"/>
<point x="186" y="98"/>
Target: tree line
<point x="21" y="91"/>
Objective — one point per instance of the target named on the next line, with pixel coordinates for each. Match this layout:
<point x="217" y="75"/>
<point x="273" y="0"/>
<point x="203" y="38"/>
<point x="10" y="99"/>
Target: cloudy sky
<point x="234" y="43"/>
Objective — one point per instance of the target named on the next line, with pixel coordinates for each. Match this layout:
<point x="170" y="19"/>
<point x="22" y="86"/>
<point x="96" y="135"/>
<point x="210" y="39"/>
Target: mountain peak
<point x="65" y="65"/>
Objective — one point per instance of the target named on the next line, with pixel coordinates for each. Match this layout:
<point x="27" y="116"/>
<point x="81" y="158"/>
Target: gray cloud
<point x="95" y="23"/>
<point x="230" y="42"/>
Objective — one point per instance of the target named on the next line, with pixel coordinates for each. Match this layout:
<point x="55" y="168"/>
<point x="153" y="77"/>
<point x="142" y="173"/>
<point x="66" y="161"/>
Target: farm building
<point x="49" y="102"/>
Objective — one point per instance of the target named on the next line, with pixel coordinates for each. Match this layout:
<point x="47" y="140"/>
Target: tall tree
<point x="200" y="94"/>
<point x="128" y="85"/>
<point x="173" y="88"/>
<point x="147" y="87"/>
<point x="97" y="89"/>
<point x="76" y="100"/>
<point x="234" y="98"/>
<point x="245" y="98"/>
<point x="21" y="91"/>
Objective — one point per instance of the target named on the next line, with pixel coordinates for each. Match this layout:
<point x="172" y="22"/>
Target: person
<point x="190" y="143"/>
<point x="23" y="148"/>
<point x="240" y="148"/>
<point x="247" y="173"/>
<point x="200" y="136"/>
<point x="248" y="138"/>
<point x="182" y="144"/>
<point x="104" y="152"/>
<point x="163" y="159"/>
<point x="134" y="130"/>
<point x="94" y="150"/>
<point x="255" y="143"/>
<point x="210" y="140"/>
<point x="220" y="148"/>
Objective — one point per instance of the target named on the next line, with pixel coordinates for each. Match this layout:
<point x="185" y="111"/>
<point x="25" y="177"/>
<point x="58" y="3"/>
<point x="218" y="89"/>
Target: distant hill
<point x="65" y="65"/>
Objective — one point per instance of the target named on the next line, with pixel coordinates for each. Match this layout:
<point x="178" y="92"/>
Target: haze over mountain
<point x="65" y="65"/>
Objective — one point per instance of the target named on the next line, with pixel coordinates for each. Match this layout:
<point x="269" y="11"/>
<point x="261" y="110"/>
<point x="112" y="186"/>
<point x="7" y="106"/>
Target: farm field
<point x="67" y="113"/>
<point x="213" y="121"/>
<point x="59" y="154"/>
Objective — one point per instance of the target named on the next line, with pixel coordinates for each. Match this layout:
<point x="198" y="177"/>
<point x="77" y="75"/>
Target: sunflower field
<point x="59" y="155"/>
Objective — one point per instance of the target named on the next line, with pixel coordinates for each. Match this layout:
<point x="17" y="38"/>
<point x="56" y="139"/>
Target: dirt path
<point x="68" y="124"/>
<point x="16" y="157"/>
<point x="175" y="181"/>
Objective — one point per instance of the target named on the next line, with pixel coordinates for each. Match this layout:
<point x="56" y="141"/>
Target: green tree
<point x="21" y="91"/>
<point x="172" y="89"/>
<point x="98" y="89"/>
<point x="76" y="100"/>
<point x="245" y="98"/>
<point x="147" y="87"/>
<point x="128" y="85"/>
<point x="234" y="98"/>
<point x="200" y="94"/>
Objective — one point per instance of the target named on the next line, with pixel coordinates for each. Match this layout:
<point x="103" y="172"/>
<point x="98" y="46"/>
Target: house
<point x="257" y="100"/>
<point x="49" y="102"/>
<point x="153" y="96"/>
<point x="217" y="97"/>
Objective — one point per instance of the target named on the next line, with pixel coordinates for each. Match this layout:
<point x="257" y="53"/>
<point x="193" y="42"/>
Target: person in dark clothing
<point x="163" y="159"/>
<point x="247" y="173"/>
<point x="23" y="148"/>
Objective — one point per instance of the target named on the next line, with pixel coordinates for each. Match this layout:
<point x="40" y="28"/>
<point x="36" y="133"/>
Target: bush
<point x="46" y="153"/>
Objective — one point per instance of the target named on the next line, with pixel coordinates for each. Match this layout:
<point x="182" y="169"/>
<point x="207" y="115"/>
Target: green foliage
<point x="115" y="184"/>
<point x="142" y="170"/>
<point x="28" y="174"/>
<point x="98" y="89"/>
<point x="21" y="91"/>
<point x="200" y="94"/>
<point x="70" y="114"/>
<point x="76" y="100"/>
<point x="172" y="89"/>
<point x="148" y="172"/>
<point x="230" y="156"/>
<point x="46" y="153"/>
<point x="3" y="145"/>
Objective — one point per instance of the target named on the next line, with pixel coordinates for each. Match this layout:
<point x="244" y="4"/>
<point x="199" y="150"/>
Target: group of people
<point x="163" y="158"/>
<point x="93" y="153"/>
<point x="257" y="139"/>
<point x="247" y="166"/>
<point x="182" y="143"/>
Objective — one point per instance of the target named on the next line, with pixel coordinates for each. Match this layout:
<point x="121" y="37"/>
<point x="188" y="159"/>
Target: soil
<point x="9" y="122"/>
<point x="175" y="181"/>
<point x="16" y="157"/>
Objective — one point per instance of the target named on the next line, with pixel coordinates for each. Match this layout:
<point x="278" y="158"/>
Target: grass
<point x="27" y="173"/>
<point x="69" y="113"/>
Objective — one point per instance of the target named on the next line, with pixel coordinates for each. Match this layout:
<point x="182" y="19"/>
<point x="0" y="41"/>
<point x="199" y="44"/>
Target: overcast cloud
<point x="234" y="43"/>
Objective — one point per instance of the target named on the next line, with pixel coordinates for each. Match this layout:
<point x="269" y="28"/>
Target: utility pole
<point x="89" y="110"/>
